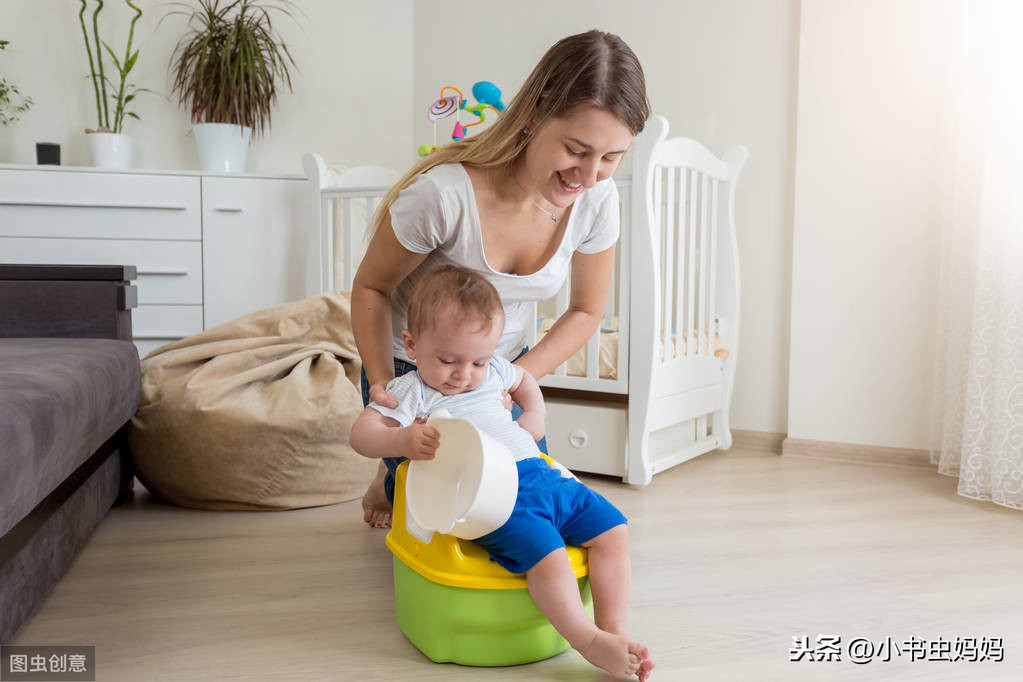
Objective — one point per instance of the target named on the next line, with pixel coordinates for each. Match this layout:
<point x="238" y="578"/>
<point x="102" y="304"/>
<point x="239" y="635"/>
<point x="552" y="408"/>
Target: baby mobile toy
<point x="487" y="95"/>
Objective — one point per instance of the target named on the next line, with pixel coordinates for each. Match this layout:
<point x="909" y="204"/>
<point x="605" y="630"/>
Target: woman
<point x="525" y="203"/>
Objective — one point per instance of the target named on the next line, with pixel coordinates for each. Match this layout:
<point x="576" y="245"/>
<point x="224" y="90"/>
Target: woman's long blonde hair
<point x="592" y="68"/>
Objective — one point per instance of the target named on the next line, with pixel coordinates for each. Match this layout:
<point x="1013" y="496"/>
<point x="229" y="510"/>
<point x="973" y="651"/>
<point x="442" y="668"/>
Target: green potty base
<point x="475" y="626"/>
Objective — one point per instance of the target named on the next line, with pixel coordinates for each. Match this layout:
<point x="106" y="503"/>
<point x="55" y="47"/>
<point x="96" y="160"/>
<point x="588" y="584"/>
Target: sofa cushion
<point x="60" y="400"/>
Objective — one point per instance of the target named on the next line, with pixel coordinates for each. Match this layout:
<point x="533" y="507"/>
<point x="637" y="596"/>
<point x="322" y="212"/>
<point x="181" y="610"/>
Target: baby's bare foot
<point x="376" y="510"/>
<point x="617" y="654"/>
<point x="645" y="666"/>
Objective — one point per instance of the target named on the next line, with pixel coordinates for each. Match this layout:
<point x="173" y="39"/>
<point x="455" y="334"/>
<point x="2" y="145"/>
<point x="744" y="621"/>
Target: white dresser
<point x="208" y="247"/>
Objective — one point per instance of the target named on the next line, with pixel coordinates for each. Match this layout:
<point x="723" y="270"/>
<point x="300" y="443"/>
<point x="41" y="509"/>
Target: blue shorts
<point x="401" y="367"/>
<point x="550" y="512"/>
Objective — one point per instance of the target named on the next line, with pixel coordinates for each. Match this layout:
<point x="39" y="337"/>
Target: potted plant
<point x="227" y="70"/>
<point x="11" y="108"/>
<point x="109" y="146"/>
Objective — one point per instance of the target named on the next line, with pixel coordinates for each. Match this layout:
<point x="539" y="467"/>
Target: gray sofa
<point x="69" y="383"/>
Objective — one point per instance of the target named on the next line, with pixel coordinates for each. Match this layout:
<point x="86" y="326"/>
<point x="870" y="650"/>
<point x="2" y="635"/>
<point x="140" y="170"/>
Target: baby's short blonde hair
<point x="469" y="296"/>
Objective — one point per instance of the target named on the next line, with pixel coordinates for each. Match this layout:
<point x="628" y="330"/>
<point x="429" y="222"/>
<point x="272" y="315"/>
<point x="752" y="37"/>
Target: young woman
<point x="526" y="203"/>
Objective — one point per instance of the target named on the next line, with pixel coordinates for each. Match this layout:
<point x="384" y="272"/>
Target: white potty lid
<point x="445" y="490"/>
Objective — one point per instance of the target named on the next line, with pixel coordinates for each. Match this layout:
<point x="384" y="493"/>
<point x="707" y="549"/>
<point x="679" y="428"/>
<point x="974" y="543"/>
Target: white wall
<point x="852" y="281"/>
<point x="864" y="273"/>
<point x="352" y="86"/>
<point x="721" y="72"/>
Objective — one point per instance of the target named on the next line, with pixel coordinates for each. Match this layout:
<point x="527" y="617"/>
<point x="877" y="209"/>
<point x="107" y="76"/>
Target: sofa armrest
<point x="67" y="301"/>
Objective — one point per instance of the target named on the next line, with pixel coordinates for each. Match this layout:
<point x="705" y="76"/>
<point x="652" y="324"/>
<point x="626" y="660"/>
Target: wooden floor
<point x="733" y="554"/>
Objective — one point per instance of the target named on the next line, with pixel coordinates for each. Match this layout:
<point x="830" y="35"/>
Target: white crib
<point x="652" y="388"/>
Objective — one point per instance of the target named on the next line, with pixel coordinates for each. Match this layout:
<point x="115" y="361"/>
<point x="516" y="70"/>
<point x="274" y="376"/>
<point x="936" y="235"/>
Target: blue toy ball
<point x="486" y="92"/>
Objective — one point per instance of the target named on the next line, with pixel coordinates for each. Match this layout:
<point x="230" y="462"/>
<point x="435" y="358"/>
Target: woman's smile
<point x="566" y="186"/>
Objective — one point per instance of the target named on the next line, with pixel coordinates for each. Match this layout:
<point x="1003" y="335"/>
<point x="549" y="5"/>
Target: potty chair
<point x="453" y="603"/>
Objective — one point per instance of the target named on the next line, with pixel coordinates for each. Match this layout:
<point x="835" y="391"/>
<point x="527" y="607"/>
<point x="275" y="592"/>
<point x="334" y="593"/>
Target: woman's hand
<point x="378" y="394"/>
<point x="419" y="441"/>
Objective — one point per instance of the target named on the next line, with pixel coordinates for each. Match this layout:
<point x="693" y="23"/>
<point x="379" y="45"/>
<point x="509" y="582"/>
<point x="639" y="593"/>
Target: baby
<point x="455" y="320"/>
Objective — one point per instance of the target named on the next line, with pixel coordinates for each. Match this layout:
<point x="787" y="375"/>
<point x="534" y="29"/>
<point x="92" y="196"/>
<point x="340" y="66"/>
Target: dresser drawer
<point x="587" y="436"/>
<point x="156" y="325"/>
<point x="36" y="203"/>
<point x="168" y="272"/>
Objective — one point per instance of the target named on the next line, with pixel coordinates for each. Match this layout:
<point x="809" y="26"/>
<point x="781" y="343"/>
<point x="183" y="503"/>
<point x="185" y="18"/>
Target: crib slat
<point x="704" y="269"/>
<point x="713" y="270"/>
<point x="658" y="213"/>
<point x="560" y="307"/>
<point x="622" y="301"/>
<point x="593" y="356"/>
<point x="667" y="271"/>
<point x="680" y="264"/>
<point x="351" y="244"/>
<point x="610" y="305"/>
<point x="331" y="238"/>
<point x="327" y="246"/>
<point x="691" y="268"/>
<point x="345" y="246"/>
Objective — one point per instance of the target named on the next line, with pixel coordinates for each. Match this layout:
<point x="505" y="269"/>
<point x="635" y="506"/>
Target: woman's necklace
<point x="550" y="214"/>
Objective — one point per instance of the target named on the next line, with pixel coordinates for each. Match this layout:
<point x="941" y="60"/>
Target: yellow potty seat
<point x="456" y="605"/>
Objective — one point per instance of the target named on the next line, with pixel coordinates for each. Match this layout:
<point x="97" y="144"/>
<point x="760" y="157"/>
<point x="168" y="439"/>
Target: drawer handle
<point x="578" y="438"/>
<point x="228" y="209"/>
<point x="175" y="272"/>
<point x="74" y="204"/>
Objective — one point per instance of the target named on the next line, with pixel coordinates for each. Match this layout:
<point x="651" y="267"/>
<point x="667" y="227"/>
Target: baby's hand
<point x="534" y="423"/>
<point x="419" y="441"/>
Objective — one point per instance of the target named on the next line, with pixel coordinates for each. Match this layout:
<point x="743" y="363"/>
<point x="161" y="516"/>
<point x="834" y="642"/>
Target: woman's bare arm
<point x="591" y="277"/>
<point x="526" y="392"/>
<point x="384" y="266"/>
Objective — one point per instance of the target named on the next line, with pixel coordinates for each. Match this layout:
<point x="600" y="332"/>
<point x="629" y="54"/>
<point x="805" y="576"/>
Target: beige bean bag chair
<point x="255" y="413"/>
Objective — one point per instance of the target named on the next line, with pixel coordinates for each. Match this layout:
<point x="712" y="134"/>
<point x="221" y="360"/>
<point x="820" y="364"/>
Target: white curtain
<point x="977" y="432"/>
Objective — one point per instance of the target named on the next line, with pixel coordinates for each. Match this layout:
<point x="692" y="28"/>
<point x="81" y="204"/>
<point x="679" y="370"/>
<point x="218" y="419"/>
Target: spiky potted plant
<point x="227" y="70"/>
<point x="108" y="145"/>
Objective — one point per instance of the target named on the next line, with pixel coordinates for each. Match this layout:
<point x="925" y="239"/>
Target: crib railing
<point x="685" y="204"/>
<point x="343" y="202"/>
<point x="348" y="211"/>
<point x="680" y="263"/>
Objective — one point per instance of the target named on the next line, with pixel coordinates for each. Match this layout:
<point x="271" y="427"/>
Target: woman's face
<point x="572" y="153"/>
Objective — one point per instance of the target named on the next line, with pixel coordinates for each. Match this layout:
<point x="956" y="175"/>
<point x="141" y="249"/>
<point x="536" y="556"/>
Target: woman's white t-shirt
<point x="438" y="215"/>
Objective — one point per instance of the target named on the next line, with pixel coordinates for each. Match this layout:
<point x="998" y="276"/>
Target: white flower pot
<point x="110" y="150"/>
<point x="222" y="146"/>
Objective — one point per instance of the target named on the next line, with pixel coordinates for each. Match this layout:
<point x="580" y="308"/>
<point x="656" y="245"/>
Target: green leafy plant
<point x="9" y="110"/>
<point x="229" y="65"/>
<point x="124" y="92"/>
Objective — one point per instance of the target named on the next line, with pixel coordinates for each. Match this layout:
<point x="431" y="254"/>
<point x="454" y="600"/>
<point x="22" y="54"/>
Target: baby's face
<point x="453" y="358"/>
